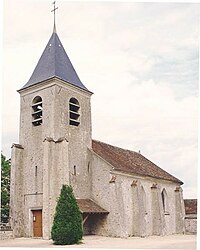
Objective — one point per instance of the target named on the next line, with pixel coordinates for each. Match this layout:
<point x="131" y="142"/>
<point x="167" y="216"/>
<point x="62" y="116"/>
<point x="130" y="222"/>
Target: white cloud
<point x="149" y="117"/>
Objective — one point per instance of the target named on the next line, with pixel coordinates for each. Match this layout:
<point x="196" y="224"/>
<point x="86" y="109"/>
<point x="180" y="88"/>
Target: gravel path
<point x="153" y="242"/>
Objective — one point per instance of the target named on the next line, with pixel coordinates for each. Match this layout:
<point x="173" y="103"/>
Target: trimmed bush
<point x="67" y="225"/>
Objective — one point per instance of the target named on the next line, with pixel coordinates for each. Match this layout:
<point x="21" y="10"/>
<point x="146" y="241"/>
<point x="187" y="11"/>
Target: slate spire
<point x="54" y="62"/>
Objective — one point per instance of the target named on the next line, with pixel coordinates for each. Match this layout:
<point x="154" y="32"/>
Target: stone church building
<point x="120" y="193"/>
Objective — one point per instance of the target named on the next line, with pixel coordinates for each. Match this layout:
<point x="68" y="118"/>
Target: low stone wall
<point x="5" y="231"/>
<point x="6" y="235"/>
<point x="191" y="224"/>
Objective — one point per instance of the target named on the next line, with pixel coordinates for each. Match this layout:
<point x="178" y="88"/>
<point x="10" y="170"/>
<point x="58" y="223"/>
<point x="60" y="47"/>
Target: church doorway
<point x="37" y="223"/>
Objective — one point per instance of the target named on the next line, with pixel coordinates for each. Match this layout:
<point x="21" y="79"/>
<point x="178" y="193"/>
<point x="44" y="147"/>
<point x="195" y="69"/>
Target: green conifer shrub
<point x="67" y="225"/>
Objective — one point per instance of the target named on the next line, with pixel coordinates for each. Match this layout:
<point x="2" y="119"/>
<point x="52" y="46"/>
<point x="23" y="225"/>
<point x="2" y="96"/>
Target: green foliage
<point x="67" y="225"/>
<point x="5" y="188"/>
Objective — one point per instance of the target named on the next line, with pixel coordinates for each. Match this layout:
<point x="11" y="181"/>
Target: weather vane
<point x="54" y="10"/>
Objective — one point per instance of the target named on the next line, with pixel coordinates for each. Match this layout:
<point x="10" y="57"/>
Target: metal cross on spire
<point x="54" y="10"/>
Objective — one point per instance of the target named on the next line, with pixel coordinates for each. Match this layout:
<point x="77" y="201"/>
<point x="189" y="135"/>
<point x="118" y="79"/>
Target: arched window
<point x="164" y="200"/>
<point x="74" y="115"/>
<point x="37" y="111"/>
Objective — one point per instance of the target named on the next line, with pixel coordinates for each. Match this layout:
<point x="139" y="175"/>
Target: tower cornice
<point x="52" y="82"/>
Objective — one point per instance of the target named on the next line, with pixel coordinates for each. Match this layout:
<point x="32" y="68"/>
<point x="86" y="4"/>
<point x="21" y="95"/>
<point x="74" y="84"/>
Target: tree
<point x="5" y="188"/>
<point x="67" y="225"/>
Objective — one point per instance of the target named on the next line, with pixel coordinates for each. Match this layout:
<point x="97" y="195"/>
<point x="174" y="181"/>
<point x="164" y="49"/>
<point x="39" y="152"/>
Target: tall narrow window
<point x="164" y="200"/>
<point x="74" y="115"/>
<point x="74" y="170"/>
<point x="35" y="170"/>
<point x="37" y="111"/>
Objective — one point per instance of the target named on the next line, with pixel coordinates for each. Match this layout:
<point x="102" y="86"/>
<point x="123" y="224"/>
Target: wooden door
<point x="37" y="223"/>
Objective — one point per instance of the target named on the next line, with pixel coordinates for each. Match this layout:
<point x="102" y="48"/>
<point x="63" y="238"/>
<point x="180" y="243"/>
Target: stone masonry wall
<point x="5" y="231"/>
<point x="17" y="191"/>
<point x="191" y="224"/>
<point x="118" y="193"/>
<point x="6" y="235"/>
<point x="51" y="150"/>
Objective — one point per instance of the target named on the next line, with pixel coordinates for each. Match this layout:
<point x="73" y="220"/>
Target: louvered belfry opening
<point x="74" y="109"/>
<point x="37" y="111"/>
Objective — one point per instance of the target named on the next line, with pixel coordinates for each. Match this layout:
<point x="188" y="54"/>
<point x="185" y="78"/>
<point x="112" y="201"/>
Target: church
<point x="120" y="193"/>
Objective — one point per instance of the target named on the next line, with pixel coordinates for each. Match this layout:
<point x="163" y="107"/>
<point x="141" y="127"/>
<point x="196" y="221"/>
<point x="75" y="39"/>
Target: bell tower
<point x="55" y="134"/>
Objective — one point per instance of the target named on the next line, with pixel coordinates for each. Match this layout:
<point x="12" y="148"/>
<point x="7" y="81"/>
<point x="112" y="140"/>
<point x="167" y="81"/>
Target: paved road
<point x="153" y="242"/>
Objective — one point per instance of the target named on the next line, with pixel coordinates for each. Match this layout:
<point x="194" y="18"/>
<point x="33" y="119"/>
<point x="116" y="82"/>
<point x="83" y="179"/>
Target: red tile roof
<point x="90" y="207"/>
<point x="190" y="206"/>
<point x="130" y="162"/>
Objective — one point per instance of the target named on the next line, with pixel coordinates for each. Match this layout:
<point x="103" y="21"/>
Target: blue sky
<point x="139" y="59"/>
